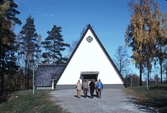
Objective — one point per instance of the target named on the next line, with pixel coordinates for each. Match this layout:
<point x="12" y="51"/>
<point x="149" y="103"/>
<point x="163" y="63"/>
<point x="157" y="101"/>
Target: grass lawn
<point x="155" y="96"/>
<point x="26" y="102"/>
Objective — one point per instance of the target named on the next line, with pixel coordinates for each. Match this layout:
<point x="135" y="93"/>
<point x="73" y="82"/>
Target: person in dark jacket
<point x="92" y="87"/>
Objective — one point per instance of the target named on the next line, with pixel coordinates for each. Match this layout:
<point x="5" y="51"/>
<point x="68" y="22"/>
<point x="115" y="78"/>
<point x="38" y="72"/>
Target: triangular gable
<point x="90" y="55"/>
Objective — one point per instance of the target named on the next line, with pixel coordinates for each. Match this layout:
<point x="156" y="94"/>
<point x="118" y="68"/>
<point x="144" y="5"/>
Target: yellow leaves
<point x="4" y="7"/>
<point x="138" y="56"/>
<point x="6" y="24"/>
<point x="147" y="29"/>
<point x="5" y="41"/>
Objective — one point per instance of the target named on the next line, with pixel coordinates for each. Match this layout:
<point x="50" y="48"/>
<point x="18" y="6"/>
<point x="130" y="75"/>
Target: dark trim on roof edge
<point x="89" y="27"/>
<point x="51" y="65"/>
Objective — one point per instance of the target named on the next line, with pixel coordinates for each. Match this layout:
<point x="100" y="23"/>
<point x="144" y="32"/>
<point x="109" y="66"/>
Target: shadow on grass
<point x="156" y="98"/>
<point x="144" y="106"/>
<point x="156" y="106"/>
<point x="160" y="103"/>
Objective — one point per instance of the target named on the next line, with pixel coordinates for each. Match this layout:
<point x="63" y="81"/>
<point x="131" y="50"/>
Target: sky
<point x="108" y="18"/>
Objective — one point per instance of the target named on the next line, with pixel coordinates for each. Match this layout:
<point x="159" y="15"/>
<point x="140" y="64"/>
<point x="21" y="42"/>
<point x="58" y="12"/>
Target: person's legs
<point x="99" y="93"/>
<point x="79" y="93"/>
<point x="91" y="93"/>
<point x="84" y="92"/>
<point x="96" y="93"/>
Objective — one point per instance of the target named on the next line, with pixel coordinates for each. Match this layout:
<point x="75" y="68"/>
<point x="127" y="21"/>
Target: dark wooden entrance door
<point x="90" y="76"/>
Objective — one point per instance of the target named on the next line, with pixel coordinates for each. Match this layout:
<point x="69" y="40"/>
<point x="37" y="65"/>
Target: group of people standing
<point x="90" y="85"/>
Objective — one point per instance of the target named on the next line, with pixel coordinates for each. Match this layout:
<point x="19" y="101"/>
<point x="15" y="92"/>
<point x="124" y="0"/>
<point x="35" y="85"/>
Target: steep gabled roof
<point x="90" y="28"/>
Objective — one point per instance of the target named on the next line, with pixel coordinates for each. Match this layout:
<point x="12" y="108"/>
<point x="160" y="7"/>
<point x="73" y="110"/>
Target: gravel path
<point x="111" y="101"/>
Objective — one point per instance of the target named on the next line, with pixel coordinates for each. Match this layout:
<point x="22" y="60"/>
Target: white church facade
<point x="89" y="60"/>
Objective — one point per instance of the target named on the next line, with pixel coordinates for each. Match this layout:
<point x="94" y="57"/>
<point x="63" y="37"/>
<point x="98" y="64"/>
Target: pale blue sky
<point x="109" y="18"/>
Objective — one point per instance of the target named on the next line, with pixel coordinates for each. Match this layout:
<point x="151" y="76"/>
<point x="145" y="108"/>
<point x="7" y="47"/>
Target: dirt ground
<point x="111" y="101"/>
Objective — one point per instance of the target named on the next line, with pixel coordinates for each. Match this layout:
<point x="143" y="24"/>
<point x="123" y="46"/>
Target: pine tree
<point x="29" y="48"/>
<point x="7" y="42"/>
<point x="54" y="45"/>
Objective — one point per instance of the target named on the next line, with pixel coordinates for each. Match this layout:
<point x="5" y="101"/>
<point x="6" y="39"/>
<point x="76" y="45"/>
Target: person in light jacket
<point x="85" y="88"/>
<point x="78" y="88"/>
<point x="99" y="86"/>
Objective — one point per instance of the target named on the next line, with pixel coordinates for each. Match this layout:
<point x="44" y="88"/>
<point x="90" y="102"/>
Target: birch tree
<point x="142" y="33"/>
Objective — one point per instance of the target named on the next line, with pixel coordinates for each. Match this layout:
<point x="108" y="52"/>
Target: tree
<point x="142" y="32"/>
<point x="131" y="80"/>
<point x="54" y="45"/>
<point x="7" y="43"/>
<point x="38" y="50"/>
<point x="29" y="48"/>
<point x="165" y="69"/>
<point x="122" y="60"/>
<point x="161" y="40"/>
<point x="4" y="6"/>
<point x="72" y="47"/>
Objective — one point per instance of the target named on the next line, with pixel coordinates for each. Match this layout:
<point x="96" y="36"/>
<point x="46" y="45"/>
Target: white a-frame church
<point x="89" y="60"/>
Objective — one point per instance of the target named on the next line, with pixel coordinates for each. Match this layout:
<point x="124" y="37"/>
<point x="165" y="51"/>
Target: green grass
<point x="155" y="96"/>
<point x="26" y="102"/>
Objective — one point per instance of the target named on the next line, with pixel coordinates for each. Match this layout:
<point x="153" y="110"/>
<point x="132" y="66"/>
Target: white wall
<point x="89" y="57"/>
